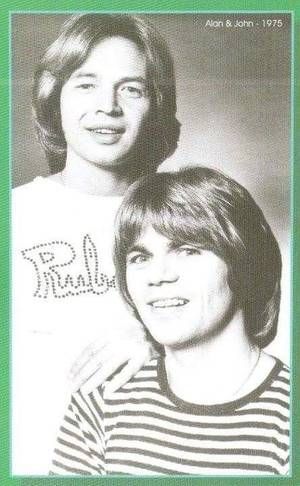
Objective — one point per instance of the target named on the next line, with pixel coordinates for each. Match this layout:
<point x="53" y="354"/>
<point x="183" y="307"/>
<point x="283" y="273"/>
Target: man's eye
<point x="85" y="86"/>
<point x="136" y="258"/>
<point x="189" y="250"/>
<point x="130" y="91"/>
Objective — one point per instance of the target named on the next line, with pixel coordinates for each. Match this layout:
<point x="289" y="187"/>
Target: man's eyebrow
<point x="138" y="248"/>
<point x="174" y="244"/>
<point x="125" y="79"/>
<point x="128" y="79"/>
<point x="83" y="74"/>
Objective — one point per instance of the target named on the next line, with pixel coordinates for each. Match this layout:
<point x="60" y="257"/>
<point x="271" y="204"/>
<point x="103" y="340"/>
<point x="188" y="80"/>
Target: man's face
<point x="105" y="104"/>
<point x="181" y="292"/>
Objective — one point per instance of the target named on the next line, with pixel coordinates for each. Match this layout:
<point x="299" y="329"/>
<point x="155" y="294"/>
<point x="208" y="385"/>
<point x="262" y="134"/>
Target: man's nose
<point x="107" y="101"/>
<point x="162" y="271"/>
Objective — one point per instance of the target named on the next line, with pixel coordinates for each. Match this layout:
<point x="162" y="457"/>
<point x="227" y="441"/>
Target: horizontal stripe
<point x="192" y="451"/>
<point x="277" y="389"/>
<point x="170" y="435"/>
<point x="148" y="405"/>
<point x="73" y="470"/>
<point x="126" y="440"/>
<point x="84" y="416"/>
<point x="77" y="437"/>
<point x="284" y="380"/>
<point x="87" y="413"/>
<point x="278" y="401"/>
<point x="232" y="466"/>
<point x="200" y="425"/>
<point x="75" y="459"/>
<point x="189" y="463"/>
<point x="129" y="401"/>
<point x="69" y="445"/>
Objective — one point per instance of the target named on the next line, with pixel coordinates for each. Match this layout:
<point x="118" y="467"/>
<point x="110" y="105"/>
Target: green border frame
<point x="162" y="6"/>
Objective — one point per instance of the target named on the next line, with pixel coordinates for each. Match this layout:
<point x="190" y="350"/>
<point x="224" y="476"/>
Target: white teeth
<point x="105" y="130"/>
<point x="176" y="302"/>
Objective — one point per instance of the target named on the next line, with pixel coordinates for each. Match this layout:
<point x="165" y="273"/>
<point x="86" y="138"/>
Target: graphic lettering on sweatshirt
<point x="52" y="264"/>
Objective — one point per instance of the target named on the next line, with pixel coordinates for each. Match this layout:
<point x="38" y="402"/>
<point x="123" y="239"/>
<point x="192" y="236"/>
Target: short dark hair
<point x="204" y="207"/>
<point x="78" y="36"/>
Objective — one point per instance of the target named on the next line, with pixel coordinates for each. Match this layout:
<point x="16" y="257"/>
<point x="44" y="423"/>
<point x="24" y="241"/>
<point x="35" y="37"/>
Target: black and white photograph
<point x="151" y="239"/>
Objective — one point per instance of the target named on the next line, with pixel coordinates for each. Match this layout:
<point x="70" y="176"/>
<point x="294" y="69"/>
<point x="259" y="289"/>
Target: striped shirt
<point x="143" y="428"/>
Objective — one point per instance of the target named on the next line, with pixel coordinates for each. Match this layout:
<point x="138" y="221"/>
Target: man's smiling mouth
<point x="106" y="130"/>
<point x="166" y="303"/>
<point x="106" y="135"/>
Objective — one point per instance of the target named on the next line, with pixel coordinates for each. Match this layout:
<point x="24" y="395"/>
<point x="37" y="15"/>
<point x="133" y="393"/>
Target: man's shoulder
<point x="27" y="191"/>
<point x="148" y="371"/>
<point x="146" y="377"/>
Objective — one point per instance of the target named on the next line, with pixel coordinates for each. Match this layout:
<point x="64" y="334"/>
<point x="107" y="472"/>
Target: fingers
<point x="111" y="342"/>
<point x="122" y="377"/>
<point x="143" y="354"/>
<point x="131" y="368"/>
<point x="98" y="360"/>
<point x="102" y="373"/>
<point x="89" y="353"/>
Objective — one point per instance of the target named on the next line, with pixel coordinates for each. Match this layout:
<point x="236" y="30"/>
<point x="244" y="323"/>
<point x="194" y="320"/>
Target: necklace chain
<point x="251" y="372"/>
<point x="62" y="179"/>
<point x="233" y="396"/>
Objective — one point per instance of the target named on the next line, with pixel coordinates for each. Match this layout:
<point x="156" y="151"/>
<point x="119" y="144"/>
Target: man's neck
<point x="212" y="371"/>
<point x="90" y="179"/>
